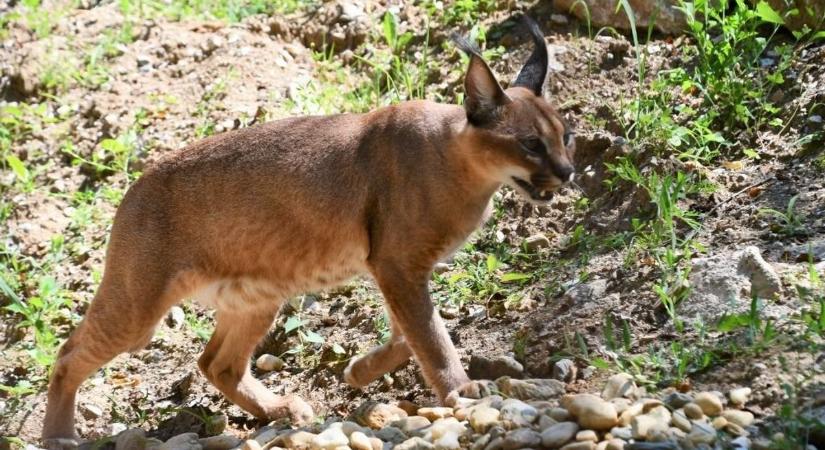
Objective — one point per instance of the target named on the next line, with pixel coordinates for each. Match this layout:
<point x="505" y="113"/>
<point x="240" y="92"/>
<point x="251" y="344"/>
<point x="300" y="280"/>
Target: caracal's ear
<point x="534" y="73"/>
<point x="483" y="95"/>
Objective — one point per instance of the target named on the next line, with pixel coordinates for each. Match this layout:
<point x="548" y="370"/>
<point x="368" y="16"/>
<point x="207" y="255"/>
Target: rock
<point x="693" y="411"/>
<point x="435" y="413"/>
<point x="621" y="404"/>
<point x="559" y="19"/>
<point x="515" y="413"/>
<point x="739" y="396"/>
<point x="410" y="424"/>
<point x="376" y="415"/>
<point x="619" y="385"/>
<point x="175" y="318"/>
<point x="359" y="441"/>
<point x="219" y="442"/>
<point x="269" y="363"/>
<point x="409" y="407"/>
<point x="131" y="439"/>
<point x="765" y="282"/>
<point x="521" y="438"/>
<point x="680" y="421"/>
<point x="298" y="439"/>
<point x="676" y="400"/>
<point x="116" y="428"/>
<point x="535" y="242"/>
<point x="546" y="422"/>
<point x="735" y="430"/>
<point x="710" y="403"/>
<point x="482" y="368"/>
<point x="445" y="433"/>
<point x="415" y="443"/>
<point x="532" y="389"/>
<point x="591" y="411"/>
<point x="587" y="435"/>
<point x="615" y="444"/>
<point x="185" y="441"/>
<point x="483" y="417"/>
<point x="741" y="418"/>
<point x="587" y="445"/>
<point x="251" y="444"/>
<point x="329" y="439"/>
<point x="564" y="370"/>
<point x="584" y="293"/>
<point x="719" y="422"/>
<point x="559" y="434"/>
<point x="701" y="433"/>
<point x="645" y="426"/>
<point x="90" y="411"/>
<point x="391" y="435"/>
<point x="664" y="445"/>
<point x="441" y="267"/>
<point x="741" y="443"/>
<point x="559" y="414"/>
<point x="376" y="443"/>
<point x="624" y="433"/>
<point x="662" y="15"/>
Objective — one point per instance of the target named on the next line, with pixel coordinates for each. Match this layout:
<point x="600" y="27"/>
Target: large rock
<point x="376" y="415"/>
<point x="483" y="368"/>
<point x="663" y="13"/>
<point x="590" y="411"/>
<point x="532" y="389"/>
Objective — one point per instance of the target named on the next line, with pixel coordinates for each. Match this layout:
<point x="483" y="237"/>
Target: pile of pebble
<point x="526" y="414"/>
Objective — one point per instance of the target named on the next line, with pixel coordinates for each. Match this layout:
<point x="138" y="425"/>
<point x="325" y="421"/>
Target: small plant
<point x="788" y="223"/>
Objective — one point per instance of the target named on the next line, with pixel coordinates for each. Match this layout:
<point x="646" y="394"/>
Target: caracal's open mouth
<point x="543" y="195"/>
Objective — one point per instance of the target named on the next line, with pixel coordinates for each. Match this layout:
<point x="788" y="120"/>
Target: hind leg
<point x="117" y="321"/>
<point x="380" y="360"/>
<point x="225" y="362"/>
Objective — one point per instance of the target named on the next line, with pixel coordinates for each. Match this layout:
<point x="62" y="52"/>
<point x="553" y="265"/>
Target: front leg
<point x="406" y="294"/>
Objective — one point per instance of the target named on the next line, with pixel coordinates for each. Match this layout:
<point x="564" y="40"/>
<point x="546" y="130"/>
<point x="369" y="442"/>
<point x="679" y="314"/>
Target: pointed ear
<point x="534" y="73"/>
<point x="483" y="94"/>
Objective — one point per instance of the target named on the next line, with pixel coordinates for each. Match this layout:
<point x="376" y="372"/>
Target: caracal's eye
<point x="532" y="145"/>
<point x="568" y="138"/>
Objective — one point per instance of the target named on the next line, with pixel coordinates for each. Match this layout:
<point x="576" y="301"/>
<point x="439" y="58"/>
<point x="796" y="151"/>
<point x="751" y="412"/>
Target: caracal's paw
<point x="472" y="389"/>
<point x="298" y="411"/>
<point x="349" y="376"/>
<point x="61" y="443"/>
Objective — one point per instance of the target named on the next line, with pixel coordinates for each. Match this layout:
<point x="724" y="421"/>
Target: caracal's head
<point x="524" y="141"/>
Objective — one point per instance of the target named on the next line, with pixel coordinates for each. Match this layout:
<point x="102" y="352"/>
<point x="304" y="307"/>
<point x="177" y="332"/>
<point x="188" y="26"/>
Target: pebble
<point x="587" y="435"/>
<point x="580" y="446"/>
<point x="719" y="422"/>
<point x="359" y="441"/>
<point x="676" y="400"/>
<point x="483" y="417"/>
<point x="740" y="396"/>
<point x="90" y="411"/>
<point x="415" y="443"/>
<point x="741" y="418"/>
<point x="521" y="438"/>
<point x="391" y="434"/>
<point x="625" y="433"/>
<point x="376" y="415"/>
<point x="559" y="414"/>
<point x="546" y="422"/>
<point x="175" y="318"/>
<point x="536" y="242"/>
<point x="619" y="385"/>
<point x="295" y="439"/>
<point x="269" y="363"/>
<point x="483" y="368"/>
<point x="558" y="434"/>
<point x="702" y="433"/>
<point x="564" y="370"/>
<point x="516" y="413"/>
<point x="330" y="439"/>
<point x="409" y="407"/>
<point x="185" y="441"/>
<point x="219" y="442"/>
<point x="734" y="429"/>
<point x="410" y="424"/>
<point x="645" y="426"/>
<point x="693" y="411"/>
<point x="615" y="444"/>
<point x="591" y="411"/>
<point x="435" y="413"/>
<point x="532" y="389"/>
<point x="116" y="428"/>
<point x="132" y="439"/>
<point x="251" y="444"/>
<point x="679" y="420"/>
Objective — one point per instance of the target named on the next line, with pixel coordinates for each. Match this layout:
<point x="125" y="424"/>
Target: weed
<point x="789" y="222"/>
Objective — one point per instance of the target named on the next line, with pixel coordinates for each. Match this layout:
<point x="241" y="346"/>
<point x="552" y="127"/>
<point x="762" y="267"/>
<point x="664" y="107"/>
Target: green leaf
<point x="732" y="322"/>
<point x="767" y="14"/>
<point x="514" y="276"/>
<point x="313" y="337"/>
<point x="600" y="363"/>
<point x="492" y="263"/>
<point x="338" y="350"/>
<point x="390" y="28"/>
<point x="292" y="324"/>
<point x="17" y="166"/>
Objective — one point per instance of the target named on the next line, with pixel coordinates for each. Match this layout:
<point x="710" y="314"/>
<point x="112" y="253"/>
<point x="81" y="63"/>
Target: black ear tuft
<point x="483" y="94"/>
<point x="534" y="73"/>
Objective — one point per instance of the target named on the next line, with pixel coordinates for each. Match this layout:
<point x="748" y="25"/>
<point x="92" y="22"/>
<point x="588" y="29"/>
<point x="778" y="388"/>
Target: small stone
<point x="815" y="119"/>
<point x="693" y="411"/>
<point x="521" y="438"/>
<point x="559" y="19"/>
<point x="131" y="439"/>
<point x="680" y="421"/>
<point x="559" y="414"/>
<point x="702" y="433"/>
<point x="116" y="428"/>
<point x="359" y="441"/>
<point x="710" y="403"/>
<point x="536" y="242"/>
<point x="376" y="443"/>
<point x="409" y="407"/>
<point x="619" y="385"/>
<point x="445" y="433"/>
<point x="185" y="441"/>
<point x="441" y="267"/>
<point x="330" y="439"/>
<point x="719" y="422"/>
<point x="175" y="318"/>
<point x="676" y="400"/>
<point x="251" y="444"/>
<point x="376" y="415"/>
<point x="483" y="417"/>
<point x="219" y="442"/>
<point x="546" y="422"/>
<point x="435" y="413"/>
<point x="588" y="445"/>
<point x="293" y="439"/>
<point x="559" y="434"/>
<point x="532" y="389"/>
<point x="735" y="430"/>
<point x="410" y="424"/>
<point x="90" y="411"/>
<point x="644" y="426"/>
<point x="591" y="411"/>
<point x="624" y="433"/>
<point x="615" y="444"/>
<point x="269" y="363"/>
<point x="741" y="418"/>
<point x="482" y="368"/>
<point x="564" y="370"/>
<point x="391" y="435"/>
<point x="587" y="435"/>
<point x="415" y="443"/>
<point x="516" y="413"/>
<point x="621" y="404"/>
<point x="740" y="396"/>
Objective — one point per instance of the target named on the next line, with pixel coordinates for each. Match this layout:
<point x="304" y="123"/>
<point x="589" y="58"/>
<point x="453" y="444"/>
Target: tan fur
<point x="244" y="220"/>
